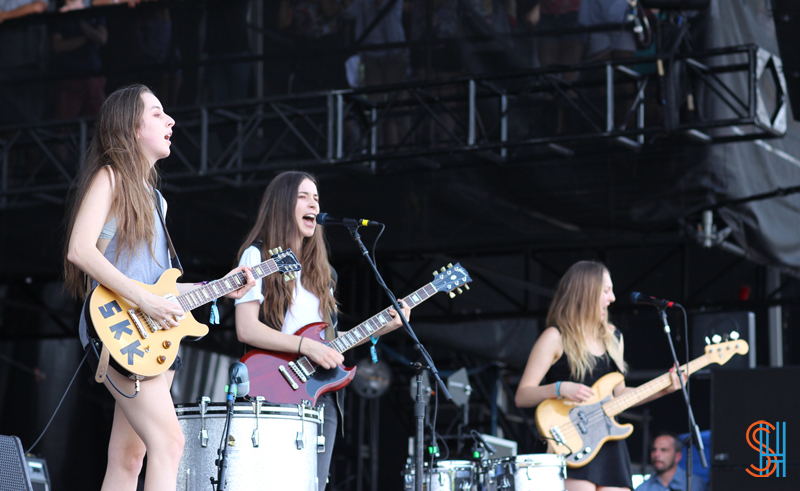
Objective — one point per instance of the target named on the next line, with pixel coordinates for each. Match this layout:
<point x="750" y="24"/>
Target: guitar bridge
<point x="557" y="435"/>
<point x="288" y="377"/>
<point x="297" y="371"/>
<point x="134" y="315"/>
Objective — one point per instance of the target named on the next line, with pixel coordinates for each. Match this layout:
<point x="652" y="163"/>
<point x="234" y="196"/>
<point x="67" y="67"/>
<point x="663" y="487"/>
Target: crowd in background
<point x="76" y="51"/>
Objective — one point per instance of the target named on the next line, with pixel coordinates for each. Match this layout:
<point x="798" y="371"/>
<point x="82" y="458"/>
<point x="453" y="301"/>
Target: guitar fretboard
<point x="218" y="288"/>
<point x="379" y="320"/>
<point x="620" y="404"/>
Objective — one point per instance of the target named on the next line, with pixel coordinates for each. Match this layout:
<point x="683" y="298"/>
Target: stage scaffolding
<point x="717" y="96"/>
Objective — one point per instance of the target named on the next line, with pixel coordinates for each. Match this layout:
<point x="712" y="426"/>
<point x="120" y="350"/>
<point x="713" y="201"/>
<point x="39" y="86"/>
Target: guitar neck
<point x="221" y="287"/>
<point x="379" y="320"/>
<point x="620" y="404"/>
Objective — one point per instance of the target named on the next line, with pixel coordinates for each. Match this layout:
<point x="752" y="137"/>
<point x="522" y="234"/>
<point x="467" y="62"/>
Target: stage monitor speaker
<point x="707" y="325"/>
<point x="739" y="398"/>
<point x="14" y="474"/>
<point x="786" y="15"/>
<point x="676" y="4"/>
<point x="40" y="478"/>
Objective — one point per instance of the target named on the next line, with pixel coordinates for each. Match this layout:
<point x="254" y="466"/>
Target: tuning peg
<point x="466" y="286"/>
<point x="449" y="265"/>
<point x="452" y="295"/>
<point x="286" y="277"/>
<point x="734" y="335"/>
<point x="716" y="338"/>
<point x="459" y="290"/>
<point x="280" y="249"/>
<point x="708" y="341"/>
<point x="271" y="252"/>
<point x="443" y="270"/>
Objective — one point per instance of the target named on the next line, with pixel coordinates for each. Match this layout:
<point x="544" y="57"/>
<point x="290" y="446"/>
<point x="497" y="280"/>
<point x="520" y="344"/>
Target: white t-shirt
<point x="304" y="309"/>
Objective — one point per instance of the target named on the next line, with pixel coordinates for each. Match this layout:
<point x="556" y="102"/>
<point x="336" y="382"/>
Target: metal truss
<point x="718" y="96"/>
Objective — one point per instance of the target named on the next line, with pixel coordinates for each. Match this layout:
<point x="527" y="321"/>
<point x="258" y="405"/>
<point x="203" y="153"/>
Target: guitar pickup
<point x="134" y="315"/>
<point x="288" y="377"/>
<point x="304" y="364"/>
<point x="298" y="371"/>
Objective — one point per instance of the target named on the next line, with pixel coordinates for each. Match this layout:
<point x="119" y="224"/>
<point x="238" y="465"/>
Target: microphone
<point x="326" y="219"/>
<point x="239" y="380"/>
<point x="637" y="297"/>
<point x="488" y="446"/>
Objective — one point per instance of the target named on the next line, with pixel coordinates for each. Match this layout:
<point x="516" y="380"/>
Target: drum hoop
<point x="245" y="410"/>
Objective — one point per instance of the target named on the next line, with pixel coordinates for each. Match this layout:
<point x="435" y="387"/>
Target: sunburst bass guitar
<point x="287" y="378"/>
<point x="138" y="343"/>
<point x="578" y="431"/>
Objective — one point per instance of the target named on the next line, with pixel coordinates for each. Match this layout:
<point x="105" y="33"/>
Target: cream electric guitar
<point x="138" y="343"/>
<point x="577" y="431"/>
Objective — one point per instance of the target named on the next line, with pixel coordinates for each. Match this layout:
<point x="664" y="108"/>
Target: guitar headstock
<point x="721" y="352"/>
<point x="451" y="278"/>
<point x="286" y="262"/>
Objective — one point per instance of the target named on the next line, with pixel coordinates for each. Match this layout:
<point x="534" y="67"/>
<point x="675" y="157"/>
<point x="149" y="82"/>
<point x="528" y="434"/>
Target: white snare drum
<point x="447" y="475"/>
<point x="536" y="472"/>
<point x="270" y="445"/>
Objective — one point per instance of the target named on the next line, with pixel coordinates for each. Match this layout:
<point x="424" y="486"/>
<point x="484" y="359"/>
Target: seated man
<point x="665" y="454"/>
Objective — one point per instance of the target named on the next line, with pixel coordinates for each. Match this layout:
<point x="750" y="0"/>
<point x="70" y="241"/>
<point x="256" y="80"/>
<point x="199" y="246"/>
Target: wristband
<point x="558" y="390"/>
<point x="300" y="345"/>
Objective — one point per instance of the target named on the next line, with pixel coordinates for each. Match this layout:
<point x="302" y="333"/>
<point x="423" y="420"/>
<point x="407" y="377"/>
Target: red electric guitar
<point x="287" y="378"/>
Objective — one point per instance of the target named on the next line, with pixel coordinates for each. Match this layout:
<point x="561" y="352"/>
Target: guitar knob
<point x="161" y="359"/>
<point x="166" y="344"/>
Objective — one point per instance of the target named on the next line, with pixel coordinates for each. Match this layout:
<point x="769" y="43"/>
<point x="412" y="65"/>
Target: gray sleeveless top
<point x="140" y="267"/>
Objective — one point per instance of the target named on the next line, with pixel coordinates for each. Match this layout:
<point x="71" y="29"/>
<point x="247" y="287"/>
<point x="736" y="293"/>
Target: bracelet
<point x="558" y="390"/>
<point x="201" y="283"/>
<point x="300" y="345"/>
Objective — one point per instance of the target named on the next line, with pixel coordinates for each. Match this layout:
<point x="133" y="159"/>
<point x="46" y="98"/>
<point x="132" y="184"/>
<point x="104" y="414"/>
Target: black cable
<point x="59" y="403"/>
<point x="110" y="380"/>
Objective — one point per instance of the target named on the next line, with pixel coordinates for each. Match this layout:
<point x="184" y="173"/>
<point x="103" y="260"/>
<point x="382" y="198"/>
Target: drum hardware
<point x="321" y="434"/>
<point x="301" y="409"/>
<point x="257" y="410"/>
<point x="203" y="436"/>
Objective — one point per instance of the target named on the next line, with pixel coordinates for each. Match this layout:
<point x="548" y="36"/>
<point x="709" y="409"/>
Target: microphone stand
<point x="222" y="462"/>
<point x="419" y="404"/>
<point x="694" y="430"/>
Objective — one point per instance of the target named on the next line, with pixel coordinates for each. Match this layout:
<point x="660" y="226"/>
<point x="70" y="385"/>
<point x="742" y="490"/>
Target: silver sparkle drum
<point x="447" y="475"/>
<point x="272" y="445"/>
<point x="535" y="472"/>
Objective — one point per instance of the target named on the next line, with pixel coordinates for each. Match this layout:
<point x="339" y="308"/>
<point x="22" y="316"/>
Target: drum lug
<point x="299" y="440"/>
<point x="320" y="443"/>
<point x="203" y="436"/>
<point x="257" y="410"/>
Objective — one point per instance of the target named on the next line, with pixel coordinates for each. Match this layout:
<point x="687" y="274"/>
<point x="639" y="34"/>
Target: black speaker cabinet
<point x="786" y="15"/>
<point x="13" y="468"/>
<point x="740" y="398"/>
<point x="707" y="325"/>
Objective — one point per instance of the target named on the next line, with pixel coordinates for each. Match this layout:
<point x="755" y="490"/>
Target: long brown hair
<point x="576" y="312"/>
<point x="276" y="227"/>
<point x="115" y="145"/>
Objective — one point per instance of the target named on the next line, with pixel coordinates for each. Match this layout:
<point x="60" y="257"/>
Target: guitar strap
<point x="173" y="256"/>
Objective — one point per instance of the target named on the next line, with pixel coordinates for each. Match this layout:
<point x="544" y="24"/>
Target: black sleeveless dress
<point x="612" y="464"/>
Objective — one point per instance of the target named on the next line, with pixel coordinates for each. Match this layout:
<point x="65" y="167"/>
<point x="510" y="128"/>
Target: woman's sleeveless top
<point x="140" y="267"/>
<point x="612" y="464"/>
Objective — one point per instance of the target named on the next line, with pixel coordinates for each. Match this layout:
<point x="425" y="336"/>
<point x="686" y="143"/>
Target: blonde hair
<point x="276" y="227"/>
<point x="575" y="311"/>
<point x="114" y="144"/>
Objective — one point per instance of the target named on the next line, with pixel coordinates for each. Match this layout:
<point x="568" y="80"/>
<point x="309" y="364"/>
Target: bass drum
<point x="272" y="445"/>
<point x="447" y="475"/>
<point x="536" y="472"/>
